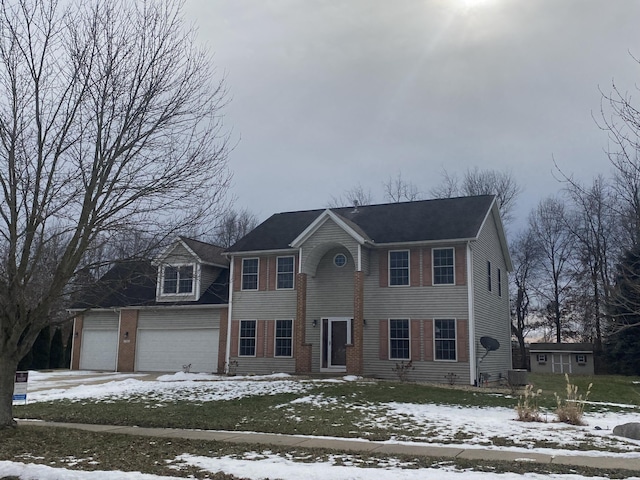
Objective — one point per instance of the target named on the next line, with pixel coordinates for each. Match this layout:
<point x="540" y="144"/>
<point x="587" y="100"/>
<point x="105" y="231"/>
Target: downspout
<point x="473" y="363"/>
<point x="227" y="353"/>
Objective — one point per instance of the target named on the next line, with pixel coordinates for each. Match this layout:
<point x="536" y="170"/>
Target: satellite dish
<point x="490" y="343"/>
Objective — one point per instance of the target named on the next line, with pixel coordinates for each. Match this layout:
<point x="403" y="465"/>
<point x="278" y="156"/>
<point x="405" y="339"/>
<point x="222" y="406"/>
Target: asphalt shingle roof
<point x="426" y="220"/>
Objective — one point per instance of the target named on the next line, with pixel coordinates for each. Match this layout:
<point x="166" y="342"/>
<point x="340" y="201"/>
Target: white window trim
<point x="455" y="340"/>
<point x="489" y="277"/>
<point x="578" y="358"/>
<point x="408" y="284"/>
<point x="275" y="338"/>
<point x="499" y="282"/>
<point x="257" y="276"/>
<point x="541" y="358"/>
<point x="433" y="267"/>
<point x="389" y="338"/>
<point x="196" y="276"/>
<point x="255" y="338"/>
<point x="293" y="272"/>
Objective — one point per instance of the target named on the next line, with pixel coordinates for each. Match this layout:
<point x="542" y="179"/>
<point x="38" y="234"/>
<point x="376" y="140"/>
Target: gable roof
<point x="422" y="221"/>
<point x="203" y="252"/>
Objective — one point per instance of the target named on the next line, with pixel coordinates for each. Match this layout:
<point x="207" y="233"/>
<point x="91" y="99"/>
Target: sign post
<point x="20" y="387"/>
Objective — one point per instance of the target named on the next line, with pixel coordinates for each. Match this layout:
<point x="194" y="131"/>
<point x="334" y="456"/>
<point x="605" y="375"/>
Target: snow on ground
<point x="467" y="427"/>
<point x="277" y="468"/>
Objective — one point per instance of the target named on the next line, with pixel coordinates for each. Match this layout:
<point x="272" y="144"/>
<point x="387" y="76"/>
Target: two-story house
<point x="164" y="315"/>
<point x="363" y="289"/>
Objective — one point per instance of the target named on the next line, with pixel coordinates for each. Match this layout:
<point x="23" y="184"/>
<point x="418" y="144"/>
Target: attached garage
<point x="168" y="340"/>
<point x="99" y="347"/>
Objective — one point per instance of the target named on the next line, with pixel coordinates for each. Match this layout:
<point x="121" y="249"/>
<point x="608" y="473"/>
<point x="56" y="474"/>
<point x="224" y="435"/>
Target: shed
<point x="571" y="358"/>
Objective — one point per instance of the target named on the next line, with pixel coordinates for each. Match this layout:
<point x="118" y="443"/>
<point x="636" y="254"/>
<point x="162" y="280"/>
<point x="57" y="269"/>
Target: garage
<point x="167" y="341"/>
<point x="99" y="347"/>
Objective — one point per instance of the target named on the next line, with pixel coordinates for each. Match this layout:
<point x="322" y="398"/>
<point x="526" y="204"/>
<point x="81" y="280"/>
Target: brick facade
<point x="127" y="340"/>
<point x="355" y="350"/>
<point x="77" y="342"/>
<point x="302" y="350"/>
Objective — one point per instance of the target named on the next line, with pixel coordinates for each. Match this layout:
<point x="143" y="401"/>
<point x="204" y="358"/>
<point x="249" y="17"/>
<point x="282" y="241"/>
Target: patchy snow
<point x="415" y="424"/>
<point x="274" y="467"/>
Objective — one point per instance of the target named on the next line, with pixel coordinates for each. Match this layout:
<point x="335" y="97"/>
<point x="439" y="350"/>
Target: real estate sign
<point x="20" y="387"/>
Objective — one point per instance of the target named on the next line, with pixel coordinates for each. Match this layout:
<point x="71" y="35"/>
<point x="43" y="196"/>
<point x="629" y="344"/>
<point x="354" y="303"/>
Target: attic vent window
<point x="340" y="260"/>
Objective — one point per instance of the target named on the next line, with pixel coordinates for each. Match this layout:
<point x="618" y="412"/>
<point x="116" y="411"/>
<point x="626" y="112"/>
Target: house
<point x="164" y="315"/>
<point x="367" y="289"/>
<point x="571" y="358"/>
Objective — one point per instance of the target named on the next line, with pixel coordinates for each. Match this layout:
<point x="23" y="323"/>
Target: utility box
<point x="517" y="378"/>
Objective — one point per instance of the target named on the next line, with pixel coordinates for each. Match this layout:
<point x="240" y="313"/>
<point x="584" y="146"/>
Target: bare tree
<point x="233" y="226"/>
<point x="549" y="226"/>
<point x="597" y="232"/>
<point x="353" y="197"/>
<point x="109" y="117"/>
<point x="620" y="118"/>
<point x="482" y="182"/>
<point x="400" y="190"/>
<point x="526" y="260"/>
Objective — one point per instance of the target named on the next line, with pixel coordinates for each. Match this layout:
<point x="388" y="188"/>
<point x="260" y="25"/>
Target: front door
<point x="336" y="335"/>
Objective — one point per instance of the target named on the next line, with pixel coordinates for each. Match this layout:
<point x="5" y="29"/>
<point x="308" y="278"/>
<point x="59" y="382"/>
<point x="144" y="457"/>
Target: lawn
<point x="375" y="410"/>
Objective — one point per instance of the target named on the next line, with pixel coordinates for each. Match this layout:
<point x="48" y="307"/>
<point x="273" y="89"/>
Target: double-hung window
<point x="499" y="282"/>
<point x="489" y="275"/>
<point x="247" y="347"/>
<point x="445" y="339"/>
<point x="399" y="339"/>
<point x="443" y="266"/>
<point x="399" y="267"/>
<point x="249" y="274"/>
<point x="177" y="280"/>
<point x="284" y="338"/>
<point x="285" y="272"/>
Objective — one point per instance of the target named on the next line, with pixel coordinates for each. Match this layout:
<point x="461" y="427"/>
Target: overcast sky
<point x="327" y="94"/>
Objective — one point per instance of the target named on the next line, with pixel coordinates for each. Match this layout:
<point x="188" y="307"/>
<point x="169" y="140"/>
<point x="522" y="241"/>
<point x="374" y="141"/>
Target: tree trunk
<point x="8" y="367"/>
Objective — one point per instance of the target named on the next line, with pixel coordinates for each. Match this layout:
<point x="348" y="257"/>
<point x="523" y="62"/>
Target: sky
<point x="445" y="424"/>
<point x="325" y="95"/>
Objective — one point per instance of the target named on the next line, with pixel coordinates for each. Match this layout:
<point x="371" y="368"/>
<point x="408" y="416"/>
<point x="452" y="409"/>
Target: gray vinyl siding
<point x="329" y="294"/>
<point x="413" y="303"/>
<point x="328" y="236"/>
<point x="264" y="305"/>
<point x="179" y="318"/>
<point x="94" y="320"/>
<point x="179" y="255"/>
<point x="264" y="366"/>
<point x="492" y="316"/>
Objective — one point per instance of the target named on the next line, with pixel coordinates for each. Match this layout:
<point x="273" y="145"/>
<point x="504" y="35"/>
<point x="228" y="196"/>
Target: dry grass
<point x="528" y="408"/>
<point x="571" y="409"/>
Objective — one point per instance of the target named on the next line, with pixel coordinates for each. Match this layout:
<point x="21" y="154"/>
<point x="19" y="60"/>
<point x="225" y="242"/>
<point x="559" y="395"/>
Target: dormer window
<point x="177" y="280"/>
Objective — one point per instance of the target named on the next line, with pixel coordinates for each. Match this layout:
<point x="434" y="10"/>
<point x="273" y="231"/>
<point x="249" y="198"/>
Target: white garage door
<point x="99" y="348"/>
<point x="168" y="350"/>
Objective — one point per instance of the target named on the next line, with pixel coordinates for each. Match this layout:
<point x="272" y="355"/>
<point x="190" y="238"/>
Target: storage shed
<point x="571" y="358"/>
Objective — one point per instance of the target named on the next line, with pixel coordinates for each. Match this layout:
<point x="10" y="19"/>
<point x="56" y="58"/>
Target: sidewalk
<point x="608" y="462"/>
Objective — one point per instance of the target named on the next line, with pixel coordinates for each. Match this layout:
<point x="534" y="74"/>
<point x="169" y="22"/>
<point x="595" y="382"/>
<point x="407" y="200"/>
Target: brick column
<point x="127" y="340"/>
<point x="302" y="350"/>
<point x="355" y="350"/>
<point x="77" y="342"/>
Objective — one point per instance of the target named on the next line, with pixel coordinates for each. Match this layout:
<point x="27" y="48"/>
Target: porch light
<point x="314" y="323"/>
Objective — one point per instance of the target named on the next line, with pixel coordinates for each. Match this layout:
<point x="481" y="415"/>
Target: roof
<point x="133" y="284"/>
<point x="206" y="252"/>
<point x="203" y="252"/>
<point x="561" y="347"/>
<point x="404" y="222"/>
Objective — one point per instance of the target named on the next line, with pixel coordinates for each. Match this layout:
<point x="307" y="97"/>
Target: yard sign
<point x="20" y="387"/>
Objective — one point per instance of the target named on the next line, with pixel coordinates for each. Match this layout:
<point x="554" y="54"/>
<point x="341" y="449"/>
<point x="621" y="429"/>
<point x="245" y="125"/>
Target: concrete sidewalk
<point x="608" y="463"/>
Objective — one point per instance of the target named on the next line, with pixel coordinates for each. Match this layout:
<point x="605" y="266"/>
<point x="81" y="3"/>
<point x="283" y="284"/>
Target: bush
<point x="528" y="409"/>
<point x="571" y="409"/>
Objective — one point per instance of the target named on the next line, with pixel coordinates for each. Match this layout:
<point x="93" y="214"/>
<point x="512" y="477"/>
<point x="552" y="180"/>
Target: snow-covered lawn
<point x="467" y="427"/>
